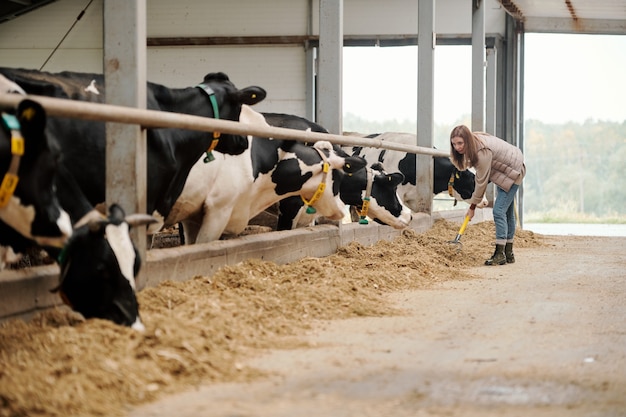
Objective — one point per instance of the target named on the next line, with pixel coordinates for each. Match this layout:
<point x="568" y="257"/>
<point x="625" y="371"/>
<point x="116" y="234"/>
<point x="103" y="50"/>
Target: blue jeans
<point x="504" y="214"/>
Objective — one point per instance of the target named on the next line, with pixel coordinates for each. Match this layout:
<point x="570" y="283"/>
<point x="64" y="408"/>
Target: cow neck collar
<point x="216" y="115"/>
<point x="10" y="180"/>
<point x="453" y="175"/>
<point x="320" y="188"/>
<point x="366" y="200"/>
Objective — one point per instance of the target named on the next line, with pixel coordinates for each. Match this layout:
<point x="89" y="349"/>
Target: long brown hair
<point x="462" y="162"/>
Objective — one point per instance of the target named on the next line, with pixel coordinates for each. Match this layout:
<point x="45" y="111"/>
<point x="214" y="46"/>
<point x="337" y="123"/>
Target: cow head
<point x="226" y="100"/>
<point x="462" y="183"/>
<point x="28" y="202"/>
<point x="374" y="193"/>
<point x="315" y="191"/>
<point x="384" y="205"/>
<point x="99" y="266"/>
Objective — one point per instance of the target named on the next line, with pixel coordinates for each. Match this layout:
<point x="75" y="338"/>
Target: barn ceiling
<point x="10" y="9"/>
<point x="569" y="16"/>
<point x="562" y="16"/>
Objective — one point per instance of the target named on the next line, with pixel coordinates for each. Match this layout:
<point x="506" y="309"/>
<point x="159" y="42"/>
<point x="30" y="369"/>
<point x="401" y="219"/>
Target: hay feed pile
<point x="202" y="330"/>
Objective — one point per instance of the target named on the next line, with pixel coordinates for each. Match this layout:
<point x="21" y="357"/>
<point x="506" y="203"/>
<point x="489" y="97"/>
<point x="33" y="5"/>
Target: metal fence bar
<point x="159" y="119"/>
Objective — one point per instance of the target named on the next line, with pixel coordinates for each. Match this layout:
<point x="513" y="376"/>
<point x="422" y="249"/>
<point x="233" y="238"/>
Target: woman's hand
<point x="470" y="211"/>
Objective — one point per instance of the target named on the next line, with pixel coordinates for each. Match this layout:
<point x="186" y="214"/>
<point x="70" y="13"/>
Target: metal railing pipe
<point x="153" y="119"/>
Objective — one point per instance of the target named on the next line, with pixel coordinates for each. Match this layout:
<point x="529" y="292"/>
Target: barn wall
<point x="280" y="68"/>
<point x="226" y="18"/>
<point x="28" y="40"/>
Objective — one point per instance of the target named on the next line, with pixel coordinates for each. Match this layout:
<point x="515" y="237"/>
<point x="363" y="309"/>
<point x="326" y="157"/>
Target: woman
<point x="497" y="161"/>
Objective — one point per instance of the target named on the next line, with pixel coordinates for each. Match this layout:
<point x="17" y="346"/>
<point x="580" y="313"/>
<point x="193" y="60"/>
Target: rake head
<point x="457" y="239"/>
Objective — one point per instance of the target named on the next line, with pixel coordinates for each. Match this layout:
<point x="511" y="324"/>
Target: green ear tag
<point x="310" y="210"/>
<point x="363" y="220"/>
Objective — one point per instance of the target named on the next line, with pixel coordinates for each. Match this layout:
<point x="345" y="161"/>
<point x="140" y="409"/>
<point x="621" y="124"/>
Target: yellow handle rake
<point x="457" y="239"/>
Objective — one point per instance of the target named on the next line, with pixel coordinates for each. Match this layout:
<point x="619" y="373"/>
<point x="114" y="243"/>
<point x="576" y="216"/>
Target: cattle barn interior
<point x="293" y="49"/>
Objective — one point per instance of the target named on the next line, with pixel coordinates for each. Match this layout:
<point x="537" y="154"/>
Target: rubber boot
<point x="498" y="257"/>
<point x="508" y="252"/>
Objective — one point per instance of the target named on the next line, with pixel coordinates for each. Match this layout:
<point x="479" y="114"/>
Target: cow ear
<point x="394" y="179"/>
<point x="32" y="118"/>
<point x="251" y="95"/>
<point x="353" y="164"/>
<point x="139" y="219"/>
<point x="377" y="166"/>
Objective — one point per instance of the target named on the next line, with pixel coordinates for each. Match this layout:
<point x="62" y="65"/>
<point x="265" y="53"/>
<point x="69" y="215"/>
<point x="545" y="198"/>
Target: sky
<point x="567" y="78"/>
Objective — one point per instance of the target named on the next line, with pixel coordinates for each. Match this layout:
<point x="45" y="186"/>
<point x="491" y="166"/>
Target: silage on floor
<point x="203" y="329"/>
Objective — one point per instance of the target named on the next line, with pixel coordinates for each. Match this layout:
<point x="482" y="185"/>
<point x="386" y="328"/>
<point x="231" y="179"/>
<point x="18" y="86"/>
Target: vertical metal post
<point x="310" y="83"/>
<point x="490" y="101"/>
<point x="311" y="73"/>
<point x="426" y="38"/>
<point x="330" y="68"/>
<point x="520" y="138"/>
<point x="512" y="65"/>
<point x="125" y="78"/>
<point x="478" y="65"/>
<point x="500" y="85"/>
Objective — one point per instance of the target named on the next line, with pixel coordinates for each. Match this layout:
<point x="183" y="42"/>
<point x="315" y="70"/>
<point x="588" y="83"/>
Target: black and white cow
<point x="170" y="152"/>
<point x="371" y="191"/>
<point x="444" y="172"/>
<point x="221" y="197"/>
<point x="373" y="183"/>
<point x="99" y="266"/>
<point x="99" y="262"/>
<point x="29" y="207"/>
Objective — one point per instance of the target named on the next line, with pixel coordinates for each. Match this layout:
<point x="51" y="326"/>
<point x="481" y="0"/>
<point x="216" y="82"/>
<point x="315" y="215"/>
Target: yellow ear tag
<point x="7" y="188"/>
<point x="28" y="113"/>
<point x="17" y="144"/>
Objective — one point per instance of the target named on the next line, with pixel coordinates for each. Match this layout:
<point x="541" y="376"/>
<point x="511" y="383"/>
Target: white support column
<point x="426" y="37"/>
<point x="125" y="77"/>
<point x="478" y="65"/>
<point x="520" y="142"/>
<point x="310" y="52"/>
<point x="330" y="66"/>
<point x="310" y="85"/>
<point x="491" y="110"/>
<point x="490" y="99"/>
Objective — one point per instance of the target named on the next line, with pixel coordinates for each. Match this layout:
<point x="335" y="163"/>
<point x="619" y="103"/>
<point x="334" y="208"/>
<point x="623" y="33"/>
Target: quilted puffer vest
<point x="507" y="165"/>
